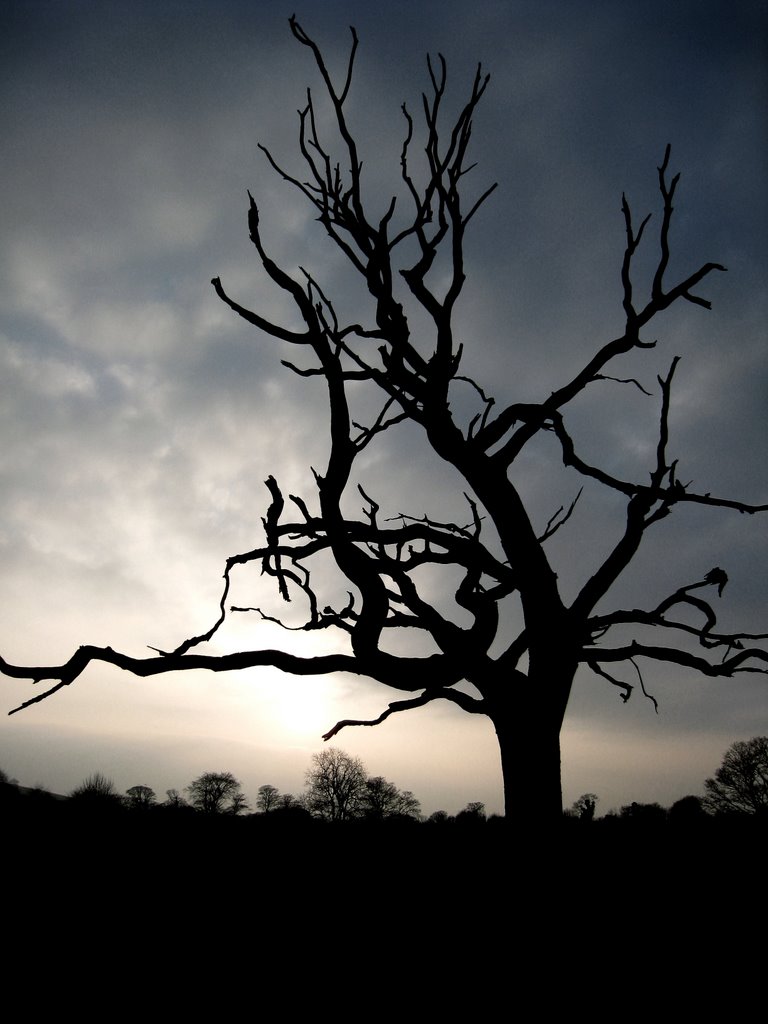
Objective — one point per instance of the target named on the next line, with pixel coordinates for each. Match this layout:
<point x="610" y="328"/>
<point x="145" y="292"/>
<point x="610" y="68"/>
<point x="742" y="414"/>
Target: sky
<point x="140" y="417"/>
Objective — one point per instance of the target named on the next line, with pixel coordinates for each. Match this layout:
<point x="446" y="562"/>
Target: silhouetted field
<point x="297" y="898"/>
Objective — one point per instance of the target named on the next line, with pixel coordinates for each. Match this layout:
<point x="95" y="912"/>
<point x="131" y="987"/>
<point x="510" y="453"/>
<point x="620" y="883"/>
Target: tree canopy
<point x="141" y="797"/>
<point x="217" y="793"/>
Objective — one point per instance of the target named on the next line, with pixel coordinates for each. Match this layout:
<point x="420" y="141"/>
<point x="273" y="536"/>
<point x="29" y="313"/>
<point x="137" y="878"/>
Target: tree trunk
<point x="528" y="731"/>
<point x="530" y="765"/>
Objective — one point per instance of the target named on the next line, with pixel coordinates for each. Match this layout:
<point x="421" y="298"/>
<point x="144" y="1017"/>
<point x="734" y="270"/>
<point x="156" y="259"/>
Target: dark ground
<point x="211" y="908"/>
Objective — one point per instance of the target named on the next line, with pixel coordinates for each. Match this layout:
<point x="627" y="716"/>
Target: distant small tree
<point x="584" y="807"/>
<point x="140" y="797"/>
<point x="216" y="793"/>
<point x="686" y="810"/>
<point x="174" y="799"/>
<point x="335" y="785"/>
<point x="473" y="813"/>
<point x="408" y="805"/>
<point x="382" y="799"/>
<point x="268" y="799"/>
<point x="95" y="787"/>
<point x="238" y="804"/>
<point x="97" y="795"/>
<point x="741" y="782"/>
<point x="644" y="814"/>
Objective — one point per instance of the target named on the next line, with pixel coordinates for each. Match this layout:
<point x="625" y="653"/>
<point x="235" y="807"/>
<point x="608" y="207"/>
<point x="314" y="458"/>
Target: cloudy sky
<point x="140" y="417"/>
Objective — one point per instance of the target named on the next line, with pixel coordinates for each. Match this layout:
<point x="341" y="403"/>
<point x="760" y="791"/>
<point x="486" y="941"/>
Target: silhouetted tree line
<point x="338" y="790"/>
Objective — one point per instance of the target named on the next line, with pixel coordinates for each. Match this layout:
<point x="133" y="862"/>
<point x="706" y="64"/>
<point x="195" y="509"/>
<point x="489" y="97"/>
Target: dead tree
<point x="521" y="682"/>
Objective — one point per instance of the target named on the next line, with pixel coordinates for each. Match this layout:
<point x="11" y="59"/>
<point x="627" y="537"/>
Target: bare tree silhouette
<point x="217" y="793"/>
<point x="336" y="785"/>
<point x="268" y="799"/>
<point x="140" y="797"/>
<point x="741" y="782"/>
<point x="382" y="799"/>
<point x="584" y="807"/>
<point x="412" y="266"/>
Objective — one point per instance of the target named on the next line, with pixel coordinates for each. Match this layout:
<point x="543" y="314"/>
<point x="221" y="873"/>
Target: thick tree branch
<point x="673" y="656"/>
<point x="400" y="673"/>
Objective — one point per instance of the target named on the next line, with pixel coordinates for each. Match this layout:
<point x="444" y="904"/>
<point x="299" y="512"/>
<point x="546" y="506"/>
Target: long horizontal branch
<point x="599" y="625"/>
<point x="400" y="673"/>
<point x="727" y="667"/>
<point x="636" y="616"/>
